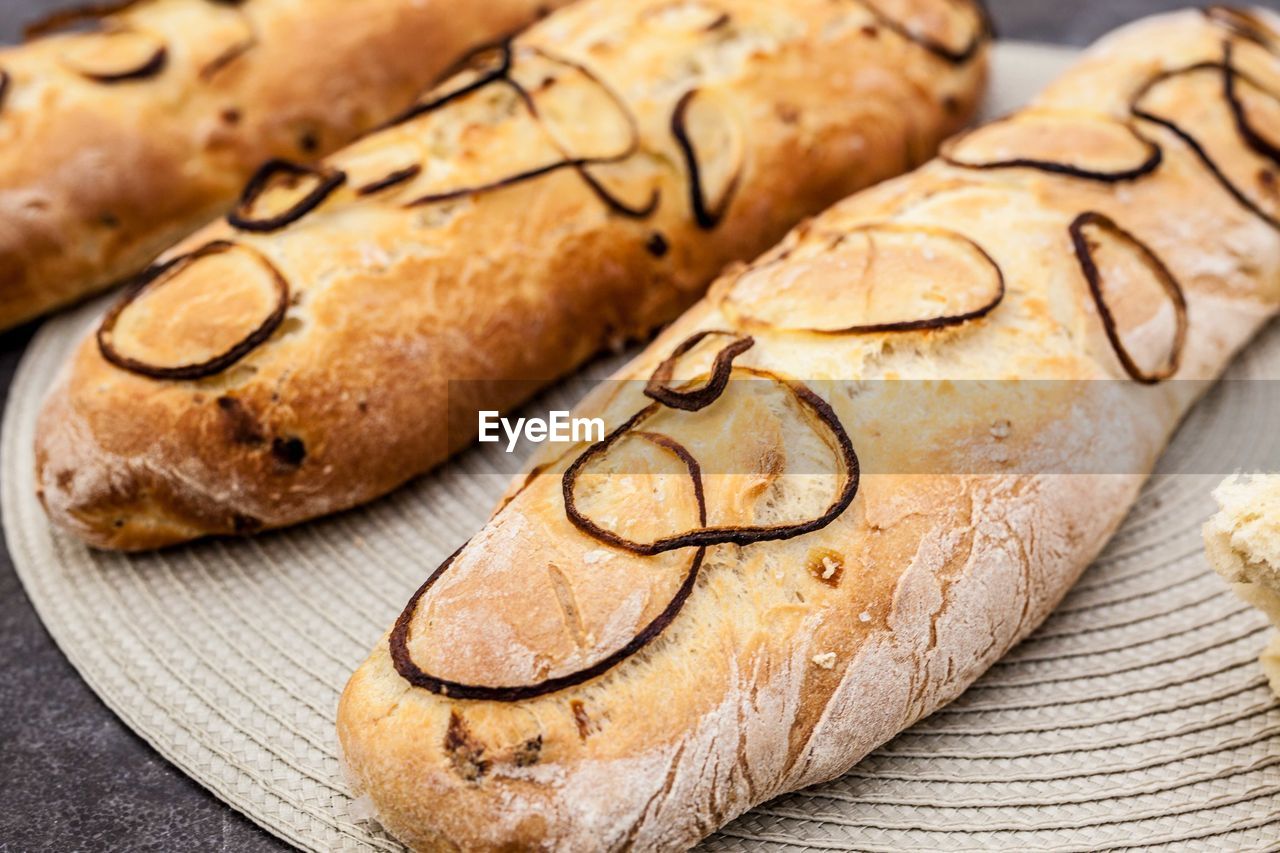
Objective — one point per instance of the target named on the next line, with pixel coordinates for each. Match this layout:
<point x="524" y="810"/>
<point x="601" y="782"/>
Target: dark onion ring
<point x="1252" y="138"/>
<point x="4" y="87"/>
<point x="926" y="324"/>
<point x="581" y="164"/>
<point x="985" y="31"/>
<point x="1153" y="161"/>
<point x="1193" y="143"/>
<point x="1243" y="23"/>
<point x="150" y="67"/>
<point x="707" y="218"/>
<point x="239" y="217"/>
<point x="708" y="536"/>
<point x="215" y="365"/>
<point x="578" y="164"/>
<point x="467" y="63"/>
<point x="415" y="675"/>
<point x="395" y="179"/>
<point x="1084" y="253"/>
<point x="695" y="399"/>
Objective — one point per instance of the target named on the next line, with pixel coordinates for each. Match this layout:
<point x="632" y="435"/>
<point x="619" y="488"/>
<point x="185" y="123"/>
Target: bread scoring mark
<point x="157" y="276"/>
<point x="568" y="605"/>
<point x="277" y="174"/>
<point x="1087" y="247"/>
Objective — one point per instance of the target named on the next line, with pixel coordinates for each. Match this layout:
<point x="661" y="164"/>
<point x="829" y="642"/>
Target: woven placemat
<point x="1136" y="716"/>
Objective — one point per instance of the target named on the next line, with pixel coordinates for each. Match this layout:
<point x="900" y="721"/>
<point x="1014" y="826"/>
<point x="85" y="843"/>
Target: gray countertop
<point x="72" y="776"/>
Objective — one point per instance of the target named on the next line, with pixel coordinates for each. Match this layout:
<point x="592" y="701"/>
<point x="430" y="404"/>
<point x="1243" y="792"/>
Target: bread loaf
<point x="118" y="141"/>
<point x="846" y="482"/>
<point x="1243" y="544"/>
<point x="571" y="190"/>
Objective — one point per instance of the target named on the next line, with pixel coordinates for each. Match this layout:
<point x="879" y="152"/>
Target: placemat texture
<point x="1136" y="717"/>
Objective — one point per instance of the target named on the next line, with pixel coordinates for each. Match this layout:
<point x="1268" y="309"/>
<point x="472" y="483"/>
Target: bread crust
<point x="414" y="302"/>
<point x="966" y="530"/>
<point x="97" y="177"/>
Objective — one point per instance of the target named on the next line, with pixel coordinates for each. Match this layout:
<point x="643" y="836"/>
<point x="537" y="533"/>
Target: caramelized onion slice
<point x="711" y="141"/>
<point x="536" y="131"/>
<point x="953" y="30"/>
<point x="116" y="56"/>
<point x="4" y="87"/>
<point x="1244" y="23"/>
<point x="692" y="397"/>
<point x="531" y="588"/>
<point x="1142" y="306"/>
<point x="875" y="279"/>
<point x="760" y="452"/>
<point x="1255" y="108"/>
<point x="281" y="192"/>
<point x="1078" y="146"/>
<point x="477" y="70"/>
<point x="195" y="315"/>
<point x="560" y="93"/>
<point x="1213" y="108"/>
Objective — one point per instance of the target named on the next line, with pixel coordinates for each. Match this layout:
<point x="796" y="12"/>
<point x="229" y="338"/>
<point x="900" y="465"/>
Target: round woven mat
<point x="1136" y="716"/>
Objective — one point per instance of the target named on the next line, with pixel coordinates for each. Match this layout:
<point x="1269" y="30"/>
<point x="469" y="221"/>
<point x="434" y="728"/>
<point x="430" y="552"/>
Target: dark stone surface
<point x="72" y="776"/>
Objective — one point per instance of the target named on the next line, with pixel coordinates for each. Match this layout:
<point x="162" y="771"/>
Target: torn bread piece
<point x="1243" y="543"/>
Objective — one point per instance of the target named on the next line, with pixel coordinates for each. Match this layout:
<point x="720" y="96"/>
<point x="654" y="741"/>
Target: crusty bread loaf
<point x="575" y="189"/>
<point x="811" y="524"/>
<point x="1243" y="544"/>
<point x="117" y="142"/>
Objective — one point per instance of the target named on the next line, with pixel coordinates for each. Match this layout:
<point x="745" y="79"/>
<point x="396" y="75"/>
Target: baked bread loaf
<point x="1243" y="544"/>
<point x="563" y="193"/>
<point x="846" y="482"/>
<point x="117" y="142"/>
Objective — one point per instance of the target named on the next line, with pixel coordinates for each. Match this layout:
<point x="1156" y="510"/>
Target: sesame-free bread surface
<point x="118" y="140"/>
<point x="845" y="483"/>
<point x="572" y="189"/>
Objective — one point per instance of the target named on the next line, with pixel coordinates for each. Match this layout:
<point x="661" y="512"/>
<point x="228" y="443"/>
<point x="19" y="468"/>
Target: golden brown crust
<point x="416" y="301"/>
<point x="791" y="659"/>
<point x="107" y="157"/>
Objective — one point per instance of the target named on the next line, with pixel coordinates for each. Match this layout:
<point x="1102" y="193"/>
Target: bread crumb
<point x="597" y="556"/>
<point x="1000" y="430"/>
<point x="826" y="660"/>
<point x="829" y="567"/>
<point x="864" y="616"/>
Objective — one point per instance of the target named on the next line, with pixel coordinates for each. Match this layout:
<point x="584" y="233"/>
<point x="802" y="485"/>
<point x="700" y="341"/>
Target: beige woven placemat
<point x="1135" y="717"/>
